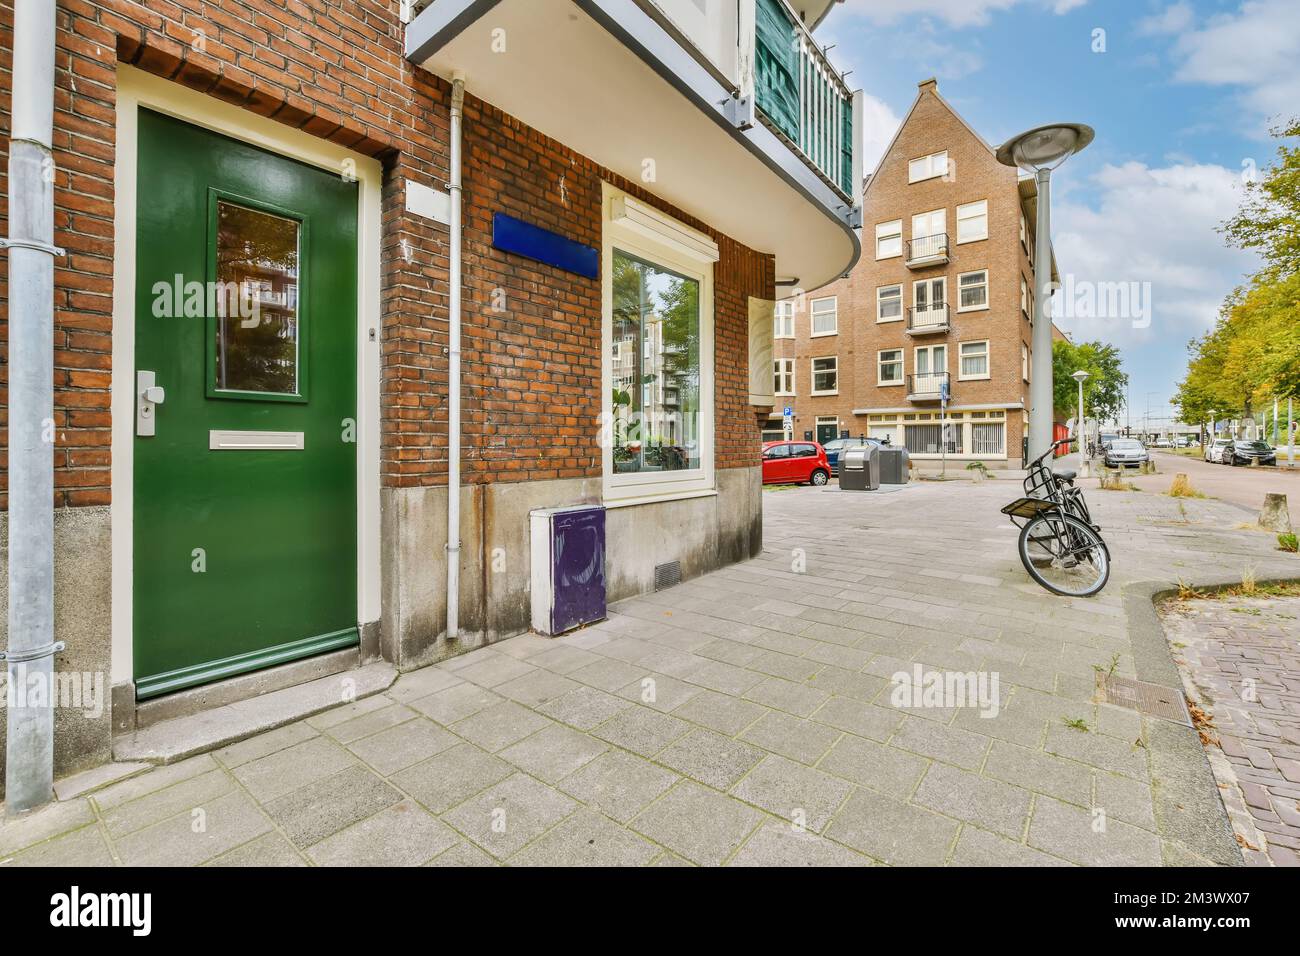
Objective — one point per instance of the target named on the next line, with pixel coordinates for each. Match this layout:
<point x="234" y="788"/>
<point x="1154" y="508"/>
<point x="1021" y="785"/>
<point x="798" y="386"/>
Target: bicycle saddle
<point x="1066" y="475"/>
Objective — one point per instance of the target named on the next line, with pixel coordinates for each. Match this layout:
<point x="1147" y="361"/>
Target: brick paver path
<point x="1240" y="658"/>
<point x="745" y="717"/>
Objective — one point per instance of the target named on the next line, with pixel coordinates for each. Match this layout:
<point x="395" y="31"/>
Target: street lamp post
<point x="1085" y="461"/>
<point x="1039" y="151"/>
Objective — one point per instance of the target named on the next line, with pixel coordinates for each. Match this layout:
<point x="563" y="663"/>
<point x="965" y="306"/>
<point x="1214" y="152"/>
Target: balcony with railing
<point x="747" y="124"/>
<point x="923" y="251"/>
<point x="927" y="321"/>
<point x="927" y="386"/>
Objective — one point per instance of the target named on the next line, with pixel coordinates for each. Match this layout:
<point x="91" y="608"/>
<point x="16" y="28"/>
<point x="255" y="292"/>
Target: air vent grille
<point x="666" y="575"/>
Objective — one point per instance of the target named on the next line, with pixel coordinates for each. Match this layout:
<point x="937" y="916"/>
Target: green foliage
<point x="1103" y="390"/>
<point x="1288" y="542"/>
<point x="1269" y="218"/>
<point x="1252" y="355"/>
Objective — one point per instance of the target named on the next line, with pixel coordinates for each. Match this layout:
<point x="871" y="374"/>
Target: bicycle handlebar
<point x="1051" y="448"/>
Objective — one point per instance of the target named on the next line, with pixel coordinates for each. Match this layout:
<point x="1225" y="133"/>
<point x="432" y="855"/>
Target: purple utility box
<point x="568" y="573"/>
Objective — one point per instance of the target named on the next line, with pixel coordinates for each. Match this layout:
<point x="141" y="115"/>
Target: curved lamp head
<point x="1045" y="147"/>
<point x="1079" y="376"/>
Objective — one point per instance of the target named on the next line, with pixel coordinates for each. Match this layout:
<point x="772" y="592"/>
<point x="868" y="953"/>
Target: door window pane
<point x="656" y="368"/>
<point x="257" y="323"/>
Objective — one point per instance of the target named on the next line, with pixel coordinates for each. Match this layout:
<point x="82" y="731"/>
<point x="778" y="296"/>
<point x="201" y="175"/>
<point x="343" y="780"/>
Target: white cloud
<point x="1153" y="225"/>
<point x="1175" y="18"/>
<point x="1255" y="49"/>
<point x="957" y="13"/>
<point x="881" y="123"/>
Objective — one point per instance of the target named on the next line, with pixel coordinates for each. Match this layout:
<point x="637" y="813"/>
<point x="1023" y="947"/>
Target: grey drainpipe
<point x="453" y="363"/>
<point x="29" y="755"/>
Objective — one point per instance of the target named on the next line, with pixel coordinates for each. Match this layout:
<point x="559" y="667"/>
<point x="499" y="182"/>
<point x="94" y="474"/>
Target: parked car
<point x="1244" y="452"/>
<point x="1126" y="453"/>
<point x="1215" y="450"/>
<point x="1105" y="438"/>
<point x="795" y="462"/>
<point x="833" y="449"/>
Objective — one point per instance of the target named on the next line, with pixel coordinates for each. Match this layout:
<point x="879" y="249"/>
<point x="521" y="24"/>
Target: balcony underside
<point x="605" y="79"/>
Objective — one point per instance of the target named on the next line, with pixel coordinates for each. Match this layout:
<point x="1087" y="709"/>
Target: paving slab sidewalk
<point x="745" y="717"/>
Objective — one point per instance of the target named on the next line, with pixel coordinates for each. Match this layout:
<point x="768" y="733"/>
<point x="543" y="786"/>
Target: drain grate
<point x="666" y="575"/>
<point x="1150" y="699"/>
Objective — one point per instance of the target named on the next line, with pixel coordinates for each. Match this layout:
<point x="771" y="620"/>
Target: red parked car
<point x="795" y="462"/>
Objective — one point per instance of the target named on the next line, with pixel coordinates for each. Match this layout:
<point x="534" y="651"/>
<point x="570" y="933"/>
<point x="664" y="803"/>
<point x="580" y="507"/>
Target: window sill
<point x="822" y="335"/>
<point x="880" y="321"/>
<point x="973" y="308"/>
<point x="822" y="394"/>
<point x="896" y="255"/>
<point x="974" y="378"/>
<point x="889" y="384"/>
<point x="962" y="242"/>
<point x="611" y="504"/>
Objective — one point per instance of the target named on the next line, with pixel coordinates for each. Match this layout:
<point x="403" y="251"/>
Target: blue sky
<point x="1182" y="99"/>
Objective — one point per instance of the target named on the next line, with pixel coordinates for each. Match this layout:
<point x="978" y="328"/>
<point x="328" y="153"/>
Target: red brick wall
<point x="335" y="69"/>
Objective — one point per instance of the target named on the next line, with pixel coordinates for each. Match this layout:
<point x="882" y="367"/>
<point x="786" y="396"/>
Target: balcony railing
<point x="926" y="386"/>
<point x="801" y="95"/>
<point x="928" y="250"/>
<point x="926" y="321"/>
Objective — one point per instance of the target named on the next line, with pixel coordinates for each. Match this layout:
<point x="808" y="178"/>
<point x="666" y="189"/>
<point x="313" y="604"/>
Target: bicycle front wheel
<point x="1064" y="554"/>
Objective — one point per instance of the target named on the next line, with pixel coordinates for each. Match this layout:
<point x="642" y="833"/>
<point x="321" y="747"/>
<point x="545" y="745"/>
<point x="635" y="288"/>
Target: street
<point x="1243" y="486"/>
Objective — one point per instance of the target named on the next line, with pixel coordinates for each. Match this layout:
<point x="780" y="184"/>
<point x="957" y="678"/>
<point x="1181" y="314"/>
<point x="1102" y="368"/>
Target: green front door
<point x="245" y="514"/>
<point x="827" y="431"/>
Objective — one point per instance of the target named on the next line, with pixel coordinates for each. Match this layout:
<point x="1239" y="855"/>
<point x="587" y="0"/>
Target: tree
<point x="1252" y="355"/>
<point x="1103" y="390"/>
<point x="1269" y="218"/>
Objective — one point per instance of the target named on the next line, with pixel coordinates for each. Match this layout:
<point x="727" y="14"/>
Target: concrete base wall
<point x="83" y="571"/>
<point x="701" y="533"/>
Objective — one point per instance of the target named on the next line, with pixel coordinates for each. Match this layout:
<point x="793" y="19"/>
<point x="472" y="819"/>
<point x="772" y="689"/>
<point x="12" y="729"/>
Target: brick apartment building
<point x="269" y="496"/>
<point x="942" y="296"/>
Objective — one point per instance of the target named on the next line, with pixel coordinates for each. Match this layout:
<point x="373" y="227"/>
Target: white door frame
<point x="136" y="89"/>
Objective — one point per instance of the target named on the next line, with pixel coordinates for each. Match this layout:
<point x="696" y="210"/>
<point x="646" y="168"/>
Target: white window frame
<point x="1024" y="296"/>
<point x="812" y="368"/>
<point x="970" y="445"/>
<point x="929" y="284"/>
<point x="784" y="318"/>
<point x="931" y="350"/>
<point x="901" y="362"/>
<point x="812" y="316"/>
<point x="933" y="166"/>
<point x="927" y="216"/>
<point x="984" y="285"/>
<point x="893" y="229"/>
<point x="638" y="229"/>
<point x="988" y="361"/>
<point x="901" y="310"/>
<point x="973" y="211"/>
<point x="1024" y="232"/>
<point x="1024" y="361"/>
<point x="786" y="372"/>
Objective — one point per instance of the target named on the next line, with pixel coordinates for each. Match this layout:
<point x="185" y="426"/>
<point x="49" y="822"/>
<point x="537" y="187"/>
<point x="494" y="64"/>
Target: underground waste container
<point x="893" y="466"/>
<point x="860" y="468"/>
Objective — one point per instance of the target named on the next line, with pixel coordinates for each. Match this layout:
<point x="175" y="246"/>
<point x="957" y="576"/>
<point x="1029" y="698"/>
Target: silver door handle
<point x="148" y="397"/>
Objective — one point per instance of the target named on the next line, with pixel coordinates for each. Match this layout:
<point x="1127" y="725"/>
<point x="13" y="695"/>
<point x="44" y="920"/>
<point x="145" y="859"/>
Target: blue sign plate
<point x="533" y="242"/>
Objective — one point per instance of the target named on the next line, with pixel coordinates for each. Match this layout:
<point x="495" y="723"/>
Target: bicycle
<point x="1060" y="546"/>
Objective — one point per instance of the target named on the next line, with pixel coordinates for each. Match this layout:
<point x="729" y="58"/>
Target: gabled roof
<point x="931" y="86"/>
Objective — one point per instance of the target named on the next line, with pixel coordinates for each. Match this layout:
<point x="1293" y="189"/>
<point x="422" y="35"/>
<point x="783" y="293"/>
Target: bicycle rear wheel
<point x="1064" y="554"/>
